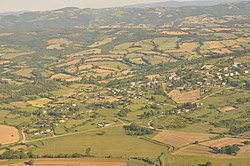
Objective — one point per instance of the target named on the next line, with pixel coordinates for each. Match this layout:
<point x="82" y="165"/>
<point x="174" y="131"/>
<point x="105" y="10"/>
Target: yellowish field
<point x="8" y="134"/>
<point x="179" y="139"/>
<point x="208" y="67"/>
<point x="14" y="55"/>
<point x="71" y="69"/>
<point x="244" y="151"/>
<point x="60" y="76"/>
<point x="85" y="66"/>
<point x="186" y="97"/>
<point x="200" y="150"/>
<point x="223" y="142"/>
<point x="75" y="162"/>
<point x="25" y="72"/>
<point x="73" y="79"/>
<point x="86" y="52"/>
<point x="19" y="147"/>
<point x="56" y="43"/>
<point x="226" y="109"/>
<point x="194" y="150"/>
<point x="98" y="59"/>
<point x="39" y="102"/>
<point x="73" y="62"/>
<point x="174" y="32"/>
<point x="19" y="104"/>
<point x="3" y="62"/>
<point x="6" y="34"/>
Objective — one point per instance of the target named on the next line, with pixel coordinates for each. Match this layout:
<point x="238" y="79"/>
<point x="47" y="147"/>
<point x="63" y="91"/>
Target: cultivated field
<point x="60" y="76"/>
<point x="39" y="102"/>
<point x="57" y="43"/>
<point x="226" y="109"/>
<point x="8" y="134"/>
<point x="194" y="150"/>
<point x="223" y="142"/>
<point x="179" y="139"/>
<point x="180" y="97"/>
<point x="75" y="162"/>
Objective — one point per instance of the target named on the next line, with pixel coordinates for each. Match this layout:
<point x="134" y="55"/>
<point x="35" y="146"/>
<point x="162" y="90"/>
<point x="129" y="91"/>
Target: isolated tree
<point x="31" y="162"/>
<point x="87" y="152"/>
<point x="208" y="163"/>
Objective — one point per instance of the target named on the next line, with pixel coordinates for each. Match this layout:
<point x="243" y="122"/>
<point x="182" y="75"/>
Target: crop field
<point x="60" y="76"/>
<point x="86" y="52"/>
<point x="57" y="43"/>
<point x="8" y="134"/>
<point x="39" y="102"/>
<point x="25" y="72"/>
<point x="73" y="161"/>
<point x="15" y="55"/>
<point x="226" y="109"/>
<point x="194" y="150"/>
<point x="184" y="97"/>
<point x="244" y="151"/>
<point x="188" y="160"/>
<point x="179" y="139"/>
<point x="19" y="104"/>
<point x="223" y="142"/>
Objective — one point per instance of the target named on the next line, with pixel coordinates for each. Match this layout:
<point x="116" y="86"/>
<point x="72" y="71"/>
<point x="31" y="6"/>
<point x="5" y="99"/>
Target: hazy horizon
<point x="41" y="5"/>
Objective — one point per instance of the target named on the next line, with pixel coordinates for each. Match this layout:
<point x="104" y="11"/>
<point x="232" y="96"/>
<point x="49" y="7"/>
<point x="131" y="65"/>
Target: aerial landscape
<point x="147" y="84"/>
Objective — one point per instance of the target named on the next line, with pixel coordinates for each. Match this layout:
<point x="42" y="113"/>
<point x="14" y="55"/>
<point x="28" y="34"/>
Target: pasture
<point x="111" y="143"/>
<point x="102" y="42"/>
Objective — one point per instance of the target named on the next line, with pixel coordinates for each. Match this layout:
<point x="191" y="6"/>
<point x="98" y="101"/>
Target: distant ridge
<point x="182" y="3"/>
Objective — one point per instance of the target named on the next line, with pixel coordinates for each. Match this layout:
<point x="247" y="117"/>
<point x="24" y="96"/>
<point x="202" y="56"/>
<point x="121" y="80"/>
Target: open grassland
<point x="184" y="97"/>
<point x="102" y="42"/>
<point x="8" y="134"/>
<point x="166" y="43"/>
<point x="179" y="139"/>
<point x="114" y="142"/>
